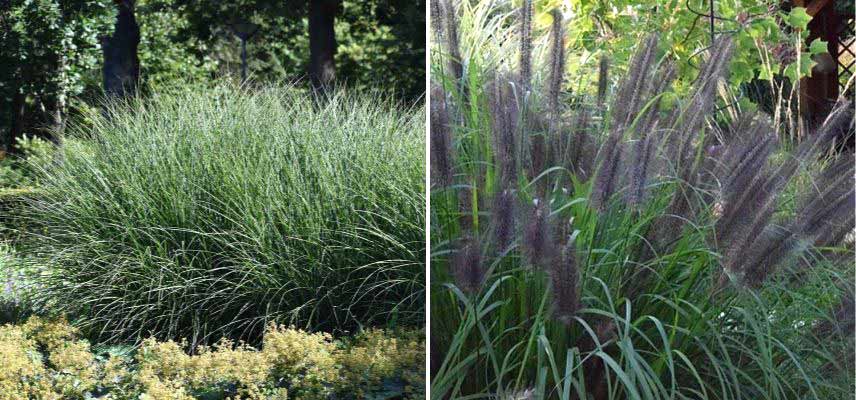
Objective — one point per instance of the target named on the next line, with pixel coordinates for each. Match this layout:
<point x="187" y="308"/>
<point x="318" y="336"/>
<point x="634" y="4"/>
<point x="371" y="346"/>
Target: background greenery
<point x="50" y="51"/>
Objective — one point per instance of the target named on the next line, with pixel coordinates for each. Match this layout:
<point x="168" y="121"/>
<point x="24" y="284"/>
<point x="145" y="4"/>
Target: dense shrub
<point x="632" y="248"/>
<point x="45" y="359"/>
<point x="22" y="170"/>
<point x="200" y="213"/>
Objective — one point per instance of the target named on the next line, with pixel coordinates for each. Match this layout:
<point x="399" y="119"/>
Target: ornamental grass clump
<point x="204" y="213"/>
<point x="631" y="247"/>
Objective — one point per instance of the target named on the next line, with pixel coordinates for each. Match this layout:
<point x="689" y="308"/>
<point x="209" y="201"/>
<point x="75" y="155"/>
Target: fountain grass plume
<point x="453" y="46"/>
<point x="685" y="122"/>
<point x="581" y="151"/>
<point x="441" y="139"/>
<point x="503" y="213"/>
<point x="437" y="20"/>
<point x="538" y="159"/>
<point x="557" y="66"/>
<point x="564" y="278"/>
<point x="635" y="87"/>
<point x="650" y="120"/>
<point x="634" y="90"/>
<point x="602" y="81"/>
<point x="525" y="32"/>
<point x="465" y="208"/>
<point x="538" y="244"/>
<point x="607" y="174"/>
<point x="748" y="172"/>
<point x="467" y="265"/>
<point x="505" y="118"/>
<point x="829" y="196"/>
<point x="825" y="215"/>
<point x="643" y="150"/>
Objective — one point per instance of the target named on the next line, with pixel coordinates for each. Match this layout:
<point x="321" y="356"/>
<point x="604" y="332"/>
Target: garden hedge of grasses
<point x="45" y="359"/>
<point x="624" y="246"/>
<point x="202" y="213"/>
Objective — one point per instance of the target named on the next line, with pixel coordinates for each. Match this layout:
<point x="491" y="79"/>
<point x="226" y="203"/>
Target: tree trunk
<point x="16" y="130"/>
<point x="54" y="101"/>
<point x="121" y="64"/>
<point x="322" y="42"/>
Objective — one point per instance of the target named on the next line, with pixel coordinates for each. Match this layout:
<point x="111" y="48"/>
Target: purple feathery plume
<point x="828" y="216"/>
<point x="452" y="42"/>
<point x="526" y="43"/>
<point x="684" y="123"/>
<point x="840" y="119"/>
<point x="602" y="81"/>
<point x="843" y="318"/>
<point x="650" y="120"/>
<point x="441" y="139"/>
<point x="681" y="128"/>
<point x="537" y="236"/>
<point x="465" y="208"/>
<point x="582" y="148"/>
<point x="606" y="176"/>
<point x="505" y="115"/>
<point x="565" y="277"/>
<point x="753" y="249"/>
<point x="503" y="219"/>
<point x="824" y="218"/>
<point x="538" y="162"/>
<point x="639" y="171"/>
<point x="437" y="20"/>
<point x="633" y="91"/>
<point x="595" y="370"/>
<point x="467" y="267"/>
<point x="557" y="66"/>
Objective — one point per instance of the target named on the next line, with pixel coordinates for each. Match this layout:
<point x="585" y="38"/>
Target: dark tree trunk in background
<point x="16" y="130"/>
<point x="121" y="64"/>
<point x="322" y="42"/>
<point x="54" y="104"/>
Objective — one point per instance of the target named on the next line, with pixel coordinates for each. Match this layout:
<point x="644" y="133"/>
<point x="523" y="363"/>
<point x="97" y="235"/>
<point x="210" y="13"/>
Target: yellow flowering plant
<point x="45" y="360"/>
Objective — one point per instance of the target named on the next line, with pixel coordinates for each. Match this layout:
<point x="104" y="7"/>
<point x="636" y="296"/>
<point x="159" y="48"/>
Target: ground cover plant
<point x="624" y="247"/>
<point x="201" y="213"/>
<point x="46" y="359"/>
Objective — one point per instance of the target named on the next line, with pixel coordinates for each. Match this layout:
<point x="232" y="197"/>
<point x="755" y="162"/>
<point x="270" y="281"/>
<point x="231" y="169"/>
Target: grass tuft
<point x="210" y="212"/>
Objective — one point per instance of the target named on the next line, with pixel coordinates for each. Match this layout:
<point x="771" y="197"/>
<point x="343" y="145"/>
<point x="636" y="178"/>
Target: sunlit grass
<point x="206" y="212"/>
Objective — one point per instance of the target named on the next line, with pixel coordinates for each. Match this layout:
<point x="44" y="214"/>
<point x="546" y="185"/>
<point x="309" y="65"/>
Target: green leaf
<point x="818" y="46"/>
<point x="798" y="18"/>
<point x="791" y="72"/>
<point x="805" y="66"/>
<point x="746" y="105"/>
<point x="741" y="71"/>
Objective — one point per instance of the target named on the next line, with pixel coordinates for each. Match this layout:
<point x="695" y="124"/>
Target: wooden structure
<point x="819" y="92"/>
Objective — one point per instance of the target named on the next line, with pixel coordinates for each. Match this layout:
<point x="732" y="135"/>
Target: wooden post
<point x="819" y="92"/>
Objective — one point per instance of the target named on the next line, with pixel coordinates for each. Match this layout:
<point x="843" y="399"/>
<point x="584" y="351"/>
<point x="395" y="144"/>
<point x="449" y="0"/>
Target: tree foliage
<point x="51" y="50"/>
<point x="769" y="35"/>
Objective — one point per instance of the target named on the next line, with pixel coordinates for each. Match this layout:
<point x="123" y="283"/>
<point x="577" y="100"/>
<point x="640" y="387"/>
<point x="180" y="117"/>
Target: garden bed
<point x="45" y="359"/>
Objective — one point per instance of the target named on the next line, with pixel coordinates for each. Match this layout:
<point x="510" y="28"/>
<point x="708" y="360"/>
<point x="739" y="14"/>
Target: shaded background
<point x="59" y="58"/>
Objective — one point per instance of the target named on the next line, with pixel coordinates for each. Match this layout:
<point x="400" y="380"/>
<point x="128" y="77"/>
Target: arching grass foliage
<point x="205" y="212"/>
